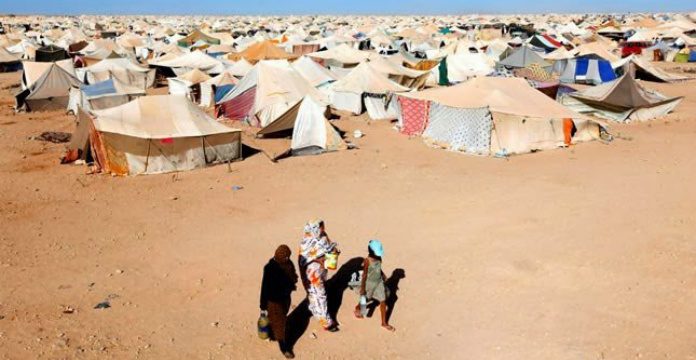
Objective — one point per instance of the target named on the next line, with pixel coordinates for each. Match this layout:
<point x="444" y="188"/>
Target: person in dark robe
<point x="279" y="281"/>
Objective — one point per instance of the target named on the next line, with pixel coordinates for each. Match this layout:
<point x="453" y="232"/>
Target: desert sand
<point x="579" y="253"/>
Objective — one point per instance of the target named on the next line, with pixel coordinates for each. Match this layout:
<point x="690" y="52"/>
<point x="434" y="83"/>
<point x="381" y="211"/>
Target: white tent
<point x="240" y="68"/>
<point x="122" y="69"/>
<point x="341" y="55"/>
<point x="188" y="84"/>
<point x="193" y="60"/>
<point x="311" y="131"/>
<point x="347" y="94"/>
<point x="316" y="74"/>
<point x="463" y="66"/>
<point x="46" y="86"/>
<point x="102" y="95"/>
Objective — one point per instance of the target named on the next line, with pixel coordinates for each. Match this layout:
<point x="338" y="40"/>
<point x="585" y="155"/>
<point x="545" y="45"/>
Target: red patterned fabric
<point x="414" y="115"/>
<point x="239" y="107"/>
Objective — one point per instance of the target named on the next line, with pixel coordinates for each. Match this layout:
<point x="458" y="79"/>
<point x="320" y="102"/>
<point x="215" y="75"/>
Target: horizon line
<point x="685" y="12"/>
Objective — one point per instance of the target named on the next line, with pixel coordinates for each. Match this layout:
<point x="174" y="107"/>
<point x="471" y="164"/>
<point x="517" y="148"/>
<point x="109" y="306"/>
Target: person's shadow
<point x="298" y="319"/>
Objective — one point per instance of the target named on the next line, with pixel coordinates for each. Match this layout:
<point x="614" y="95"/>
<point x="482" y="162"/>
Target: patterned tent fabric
<point x="240" y="107"/>
<point x="467" y="130"/>
<point x="414" y="115"/>
<point x="534" y="72"/>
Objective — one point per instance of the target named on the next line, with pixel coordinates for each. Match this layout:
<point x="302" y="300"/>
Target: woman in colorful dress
<point x="314" y="245"/>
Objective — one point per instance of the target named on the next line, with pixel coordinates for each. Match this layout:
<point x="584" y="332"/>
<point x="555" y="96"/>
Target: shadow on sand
<point x="298" y="320"/>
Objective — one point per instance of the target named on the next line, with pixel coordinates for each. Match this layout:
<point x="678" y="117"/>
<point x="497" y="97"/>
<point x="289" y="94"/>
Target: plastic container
<point x="331" y="261"/>
<point x="263" y="325"/>
<point x="363" y="305"/>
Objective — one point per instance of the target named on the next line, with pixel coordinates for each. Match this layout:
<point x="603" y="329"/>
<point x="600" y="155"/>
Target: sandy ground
<point x="580" y="253"/>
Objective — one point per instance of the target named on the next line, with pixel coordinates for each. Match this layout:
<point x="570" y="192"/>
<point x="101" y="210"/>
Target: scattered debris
<point x="237" y="187"/>
<point x="54" y="137"/>
<point x="358" y="134"/>
<point x="119" y="271"/>
<point x="174" y="198"/>
<point x="103" y="305"/>
<point x="68" y="309"/>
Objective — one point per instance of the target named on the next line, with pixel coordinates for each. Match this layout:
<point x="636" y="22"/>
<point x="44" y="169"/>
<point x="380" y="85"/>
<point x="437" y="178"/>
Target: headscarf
<point x="282" y="254"/>
<point x="314" y="244"/>
<point x="282" y="257"/>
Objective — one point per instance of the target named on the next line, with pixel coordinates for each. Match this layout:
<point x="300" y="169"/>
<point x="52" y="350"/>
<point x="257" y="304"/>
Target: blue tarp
<point x="606" y="73"/>
<point x="581" y="66"/>
<point x="100" y="88"/>
<point x="692" y="56"/>
<point x="221" y="91"/>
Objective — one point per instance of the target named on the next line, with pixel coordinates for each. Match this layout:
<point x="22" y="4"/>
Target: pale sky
<point x="377" y="7"/>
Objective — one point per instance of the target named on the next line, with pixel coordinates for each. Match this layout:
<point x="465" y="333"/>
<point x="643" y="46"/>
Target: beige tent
<point x="495" y="117"/>
<point x="265" y="50"/>
<point x="267" y="92"/>
<point x="622" y="100"/>
<point x="341" y="55"/>
<point x="8" y="60"/>
<point x="158" y="134"/>
<point x="410" y="78"/>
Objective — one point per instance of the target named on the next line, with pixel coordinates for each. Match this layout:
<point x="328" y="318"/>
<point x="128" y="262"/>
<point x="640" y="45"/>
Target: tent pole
<point x="147" y="158"/>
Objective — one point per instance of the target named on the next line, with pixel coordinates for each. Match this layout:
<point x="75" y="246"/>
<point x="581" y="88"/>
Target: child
<point x="372" y="284"/>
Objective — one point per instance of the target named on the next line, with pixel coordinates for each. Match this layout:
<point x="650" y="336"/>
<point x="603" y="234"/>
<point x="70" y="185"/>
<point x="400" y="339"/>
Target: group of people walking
<point x="316" y="253"/>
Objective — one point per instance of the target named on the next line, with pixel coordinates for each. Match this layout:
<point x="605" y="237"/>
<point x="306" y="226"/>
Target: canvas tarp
<point x="459" y="129"/>
<point x="413" y="116"/>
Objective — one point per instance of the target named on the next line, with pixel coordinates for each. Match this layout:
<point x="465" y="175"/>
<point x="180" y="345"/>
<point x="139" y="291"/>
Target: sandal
<point x="389" y="328"/>
<point x="332" y="328"/>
